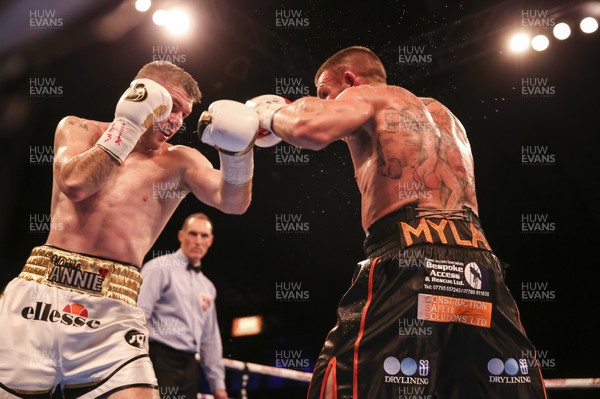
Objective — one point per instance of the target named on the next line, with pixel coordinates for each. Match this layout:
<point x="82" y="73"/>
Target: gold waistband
<point x="84" y="274"/>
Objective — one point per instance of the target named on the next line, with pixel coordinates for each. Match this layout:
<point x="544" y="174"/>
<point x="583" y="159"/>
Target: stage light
<point x="178" y="22"/>
<point x="540" y="43"/>
<point x="249" y="325"/>
<point x="561" y="31"/>
<point x="160" y="17"/>
<point x="143" y="5"/>
<point x="519" y="42"/>
<point x="588" y="25"/>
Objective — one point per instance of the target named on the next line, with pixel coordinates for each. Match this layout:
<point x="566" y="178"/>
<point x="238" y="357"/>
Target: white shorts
<point x="89" y="345"/>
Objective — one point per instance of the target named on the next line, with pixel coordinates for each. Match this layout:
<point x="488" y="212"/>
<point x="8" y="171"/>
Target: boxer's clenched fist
<point x="142" y="104"/>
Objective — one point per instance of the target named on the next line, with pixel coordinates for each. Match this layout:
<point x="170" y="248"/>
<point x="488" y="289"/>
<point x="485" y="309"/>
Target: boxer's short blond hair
<point x="166" y="72"/>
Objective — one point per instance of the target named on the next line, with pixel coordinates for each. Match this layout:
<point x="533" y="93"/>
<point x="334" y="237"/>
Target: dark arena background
<point x="531" y="116"/>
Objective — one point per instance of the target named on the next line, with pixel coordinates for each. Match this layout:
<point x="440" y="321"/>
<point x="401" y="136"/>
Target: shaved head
<point x="360" y="60"/>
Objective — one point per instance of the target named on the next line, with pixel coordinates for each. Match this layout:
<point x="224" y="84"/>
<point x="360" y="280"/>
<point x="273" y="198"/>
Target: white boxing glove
<point x="142" y="104"/>
<point x="232" y="130"/>
<point x="266" y="106"/>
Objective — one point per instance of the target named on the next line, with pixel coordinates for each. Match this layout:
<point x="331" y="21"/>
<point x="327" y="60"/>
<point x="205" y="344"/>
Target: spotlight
<point x="589" y="25"/>
<point x="143" y="5"/>
<point x="178" y="22"/>
<point x="540" y="43"/>
<point x="519" y="42"/>
<point x="160" y="17"/>
<point x="561" y="31"/>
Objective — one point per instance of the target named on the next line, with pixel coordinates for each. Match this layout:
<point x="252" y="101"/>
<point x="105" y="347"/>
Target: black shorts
<point x="428" y="316"/>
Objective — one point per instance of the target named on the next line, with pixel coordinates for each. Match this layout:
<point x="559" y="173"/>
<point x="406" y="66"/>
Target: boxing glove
<point x="232" y="130"/>
<point x="142" y="104"/>
<point x="232" y="127"/>
<point x="266" y="106"/>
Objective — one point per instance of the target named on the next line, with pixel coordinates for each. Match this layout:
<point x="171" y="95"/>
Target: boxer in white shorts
<point x="69" y="319"/>
<point x="90" y="344"/>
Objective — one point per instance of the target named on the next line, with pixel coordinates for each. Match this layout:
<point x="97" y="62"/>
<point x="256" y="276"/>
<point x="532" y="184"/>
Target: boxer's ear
<point x="350" y="79"/>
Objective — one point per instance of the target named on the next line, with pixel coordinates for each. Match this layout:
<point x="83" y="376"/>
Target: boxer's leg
<point x="135" y="393"/>
<point x="28" y="355"/>
<point x="351" y="364"/>
<point x="332" y="375"/>
<point x="110" y="359"/>
<point x="134" y="380"/>
<point x="330" y="386"/>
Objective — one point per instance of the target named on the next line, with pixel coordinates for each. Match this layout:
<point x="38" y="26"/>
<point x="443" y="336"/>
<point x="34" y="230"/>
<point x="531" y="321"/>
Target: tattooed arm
<point x="80" y="167"/>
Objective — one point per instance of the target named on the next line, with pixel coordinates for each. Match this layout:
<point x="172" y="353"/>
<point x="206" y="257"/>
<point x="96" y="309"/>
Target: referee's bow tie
<point x="197" y="269"/>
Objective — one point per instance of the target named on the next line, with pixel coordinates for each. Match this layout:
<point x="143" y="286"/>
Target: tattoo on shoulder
<point x="80" y="124"/>
<point x="392" y="120"/>
<point x="396" y="89"/>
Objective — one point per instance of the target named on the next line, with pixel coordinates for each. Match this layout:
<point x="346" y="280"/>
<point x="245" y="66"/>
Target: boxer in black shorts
<point x="428" y="314"/>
